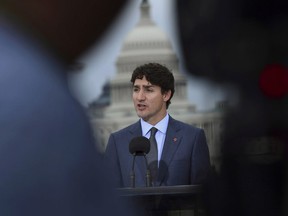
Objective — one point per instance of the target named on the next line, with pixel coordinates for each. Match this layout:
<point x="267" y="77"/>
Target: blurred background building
<point x="114" y="109"/>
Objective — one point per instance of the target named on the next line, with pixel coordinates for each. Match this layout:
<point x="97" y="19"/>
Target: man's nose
<point x="141" y="95"/>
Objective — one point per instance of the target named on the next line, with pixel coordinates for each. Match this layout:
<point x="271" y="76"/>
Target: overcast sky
<point x="99" y="62"/>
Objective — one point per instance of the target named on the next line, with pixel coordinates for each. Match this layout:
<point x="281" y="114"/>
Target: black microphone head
<point x="139" y="145"/>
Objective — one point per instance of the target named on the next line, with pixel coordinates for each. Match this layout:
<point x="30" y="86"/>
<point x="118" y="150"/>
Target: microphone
<point x="139" y="146"/>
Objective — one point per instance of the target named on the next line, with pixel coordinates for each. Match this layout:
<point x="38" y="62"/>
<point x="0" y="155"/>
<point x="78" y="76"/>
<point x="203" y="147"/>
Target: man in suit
<point x="182" y="156"/>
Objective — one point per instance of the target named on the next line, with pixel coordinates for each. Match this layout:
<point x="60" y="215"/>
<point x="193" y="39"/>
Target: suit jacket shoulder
<point x="179" y="125"/>
<point x="131" y="129"/>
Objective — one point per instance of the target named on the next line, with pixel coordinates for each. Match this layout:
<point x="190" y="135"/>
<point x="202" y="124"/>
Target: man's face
<point x="149" y="102"/>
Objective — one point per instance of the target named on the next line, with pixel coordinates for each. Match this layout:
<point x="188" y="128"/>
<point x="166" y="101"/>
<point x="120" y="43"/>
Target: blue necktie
<point x="153" y="155"/>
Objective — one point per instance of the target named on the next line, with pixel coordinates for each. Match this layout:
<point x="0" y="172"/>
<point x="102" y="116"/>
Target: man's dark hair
<point x="158" y="75"/>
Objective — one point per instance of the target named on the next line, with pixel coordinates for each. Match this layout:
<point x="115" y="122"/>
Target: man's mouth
<point x="141" y="106"/>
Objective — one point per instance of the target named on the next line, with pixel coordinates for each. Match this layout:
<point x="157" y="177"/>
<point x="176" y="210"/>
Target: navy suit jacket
<point x="185" y="158"/>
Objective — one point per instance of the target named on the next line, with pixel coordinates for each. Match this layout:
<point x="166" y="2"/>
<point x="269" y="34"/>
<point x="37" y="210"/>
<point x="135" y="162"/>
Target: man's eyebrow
<point x="144" y="86"/>
<point x="148" y="86"/>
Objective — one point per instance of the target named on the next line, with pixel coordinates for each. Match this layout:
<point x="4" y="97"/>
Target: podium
<point x="164" y="200"/>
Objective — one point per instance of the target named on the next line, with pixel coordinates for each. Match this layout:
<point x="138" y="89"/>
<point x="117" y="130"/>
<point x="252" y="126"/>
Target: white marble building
<point x="114" y="109"/>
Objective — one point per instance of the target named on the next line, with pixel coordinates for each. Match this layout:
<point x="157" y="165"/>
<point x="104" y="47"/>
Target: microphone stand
<point x="148" y="175"/>
<point x="132" y="173"/>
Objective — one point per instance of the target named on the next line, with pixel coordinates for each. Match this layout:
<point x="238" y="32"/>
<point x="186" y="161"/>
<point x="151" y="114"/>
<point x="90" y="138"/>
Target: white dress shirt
<point x="160" y="135"/>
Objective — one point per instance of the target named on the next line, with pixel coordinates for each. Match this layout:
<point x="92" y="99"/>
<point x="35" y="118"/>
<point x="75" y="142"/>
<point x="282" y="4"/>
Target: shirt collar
<point x="161" y="125"/>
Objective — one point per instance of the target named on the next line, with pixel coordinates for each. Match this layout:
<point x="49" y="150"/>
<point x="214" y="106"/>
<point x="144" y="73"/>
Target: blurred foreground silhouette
<point x="48" y="161"/>
<point x="244" y="43"/>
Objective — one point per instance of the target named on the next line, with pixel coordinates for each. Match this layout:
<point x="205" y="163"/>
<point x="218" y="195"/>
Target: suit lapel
<point x="172" y="141"/>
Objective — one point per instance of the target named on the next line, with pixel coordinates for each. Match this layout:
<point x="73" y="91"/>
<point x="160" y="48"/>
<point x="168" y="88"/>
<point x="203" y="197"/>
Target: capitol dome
<point x="145" y="43"/>
<point x="146" y="35"/>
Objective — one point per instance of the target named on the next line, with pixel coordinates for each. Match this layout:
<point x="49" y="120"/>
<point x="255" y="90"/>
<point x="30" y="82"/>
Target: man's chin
<point x="141" y="115"/>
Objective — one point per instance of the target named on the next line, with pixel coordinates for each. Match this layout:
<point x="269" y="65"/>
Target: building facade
<point x="114" y="108"/>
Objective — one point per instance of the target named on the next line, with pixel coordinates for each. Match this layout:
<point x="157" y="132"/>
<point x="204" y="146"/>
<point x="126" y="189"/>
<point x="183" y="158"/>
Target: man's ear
<point x="167" y="95"/>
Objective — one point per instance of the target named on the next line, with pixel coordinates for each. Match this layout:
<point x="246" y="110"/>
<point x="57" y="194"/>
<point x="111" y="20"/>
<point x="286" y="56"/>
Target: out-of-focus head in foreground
<point x="243" y="42"/>
<point x="67" y="27"/>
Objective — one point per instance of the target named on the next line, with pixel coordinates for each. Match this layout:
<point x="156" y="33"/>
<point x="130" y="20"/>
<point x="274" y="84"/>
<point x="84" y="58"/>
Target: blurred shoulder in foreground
<point x="48" y="161"/>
